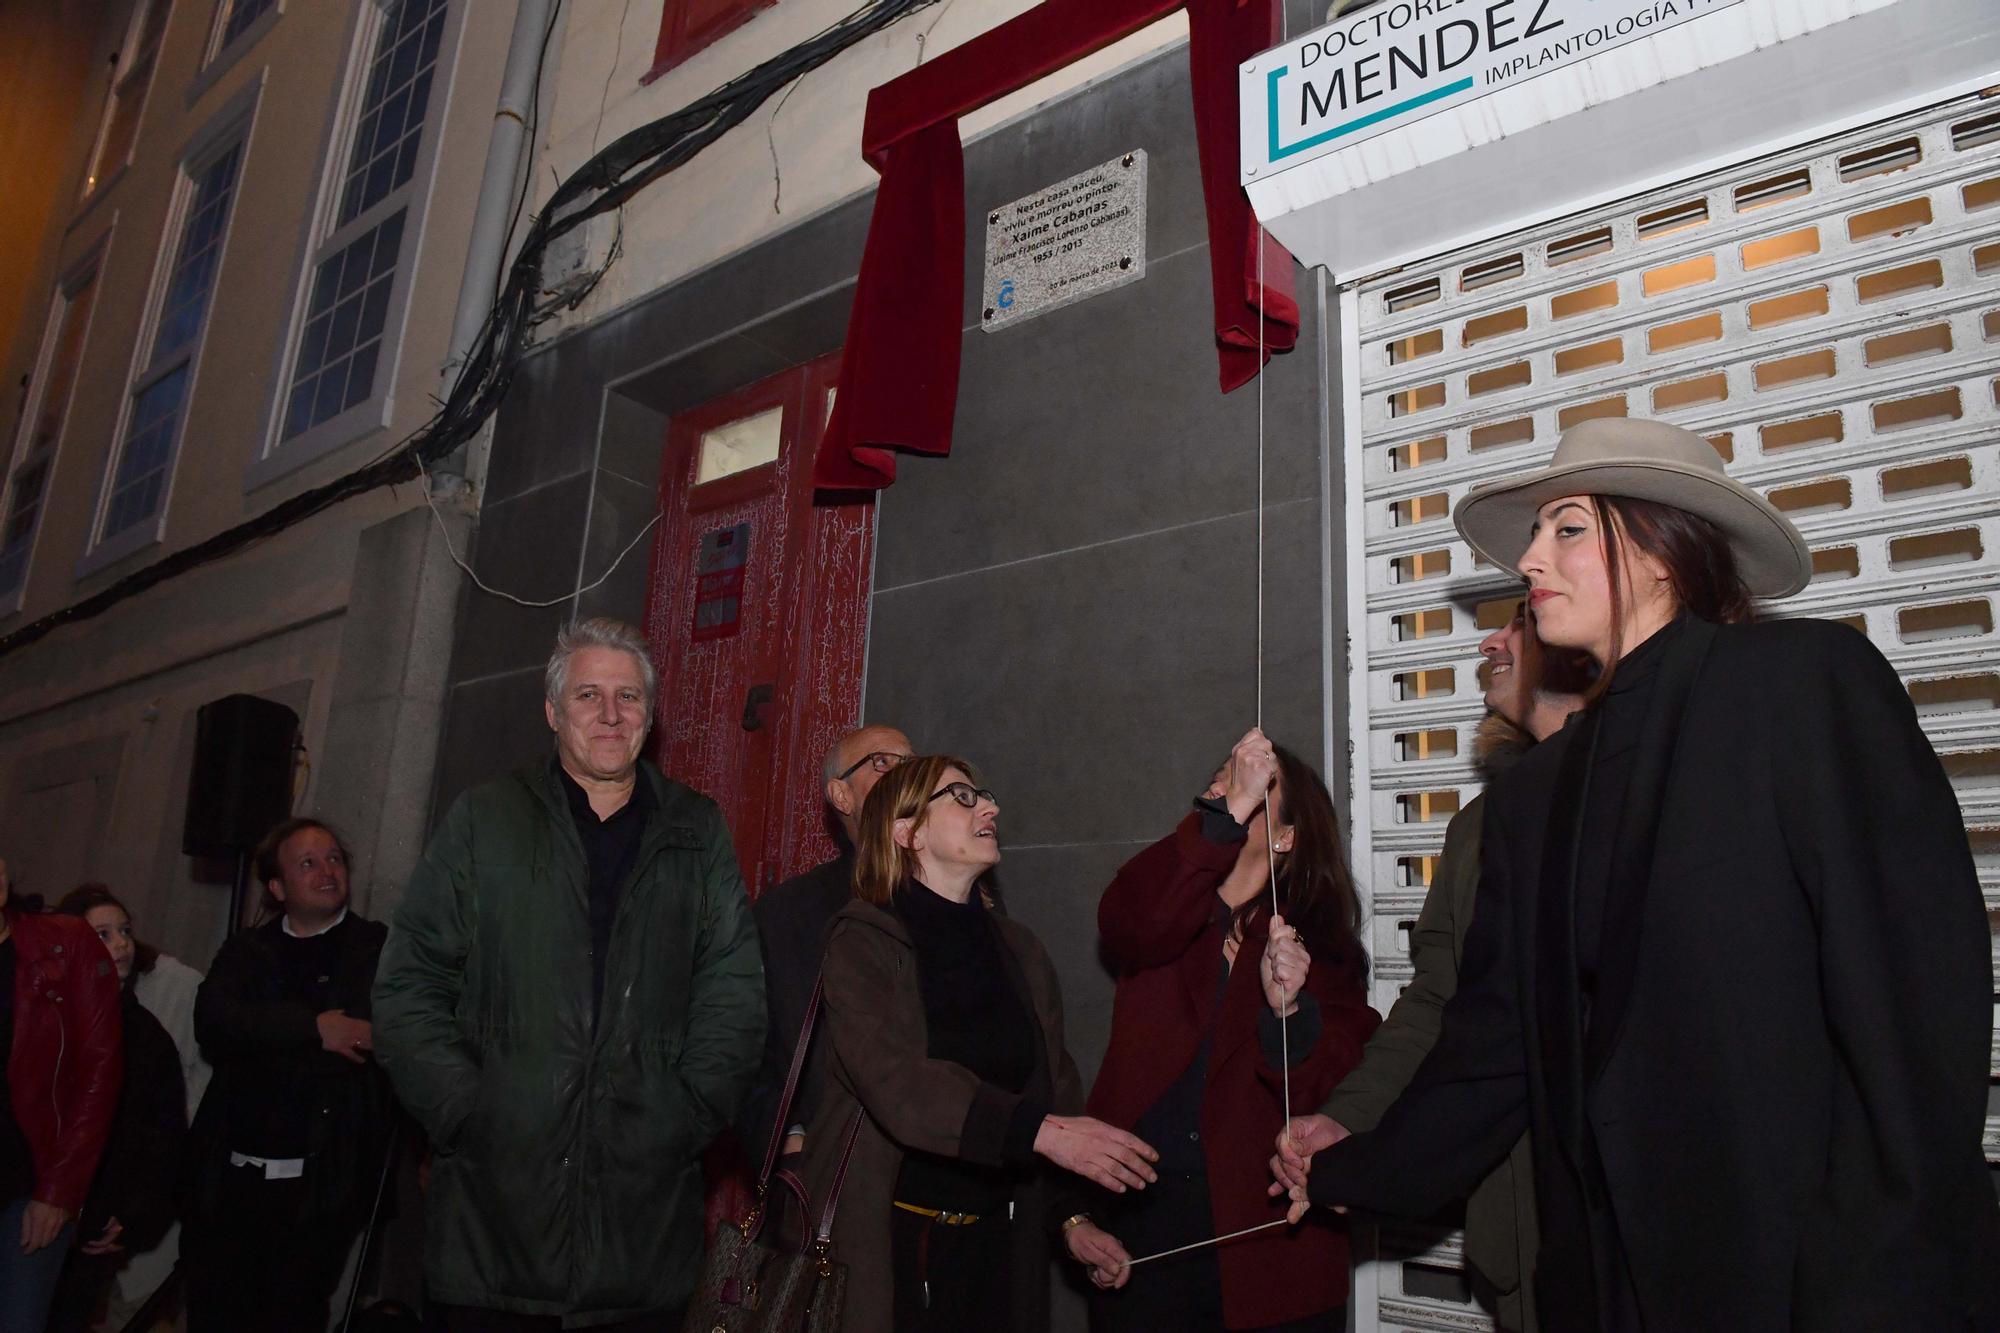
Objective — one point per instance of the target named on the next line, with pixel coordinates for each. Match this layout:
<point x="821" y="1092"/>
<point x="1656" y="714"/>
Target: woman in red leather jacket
<point x="1195" y="1065"/>
<point x="62" y="1039"/>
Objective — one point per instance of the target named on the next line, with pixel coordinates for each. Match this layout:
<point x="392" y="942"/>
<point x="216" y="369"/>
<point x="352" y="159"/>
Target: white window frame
<point x="99" y="177"/>
<point x="231" y="127"/>
<point x="217" y="59"/>
<point x="89" y="268"/>
<point x="276" y="457"/>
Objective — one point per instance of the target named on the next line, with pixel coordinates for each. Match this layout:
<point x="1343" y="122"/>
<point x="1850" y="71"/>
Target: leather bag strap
<point x="823" y="1234"/>
<point x="784" y="1111"/>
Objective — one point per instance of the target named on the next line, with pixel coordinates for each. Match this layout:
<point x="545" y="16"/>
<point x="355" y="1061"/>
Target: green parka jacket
<point x="567" y="1178"/>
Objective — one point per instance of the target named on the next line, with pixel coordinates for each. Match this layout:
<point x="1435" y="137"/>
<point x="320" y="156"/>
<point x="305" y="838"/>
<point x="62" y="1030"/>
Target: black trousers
<point x="85" y="1281"/>
<point x="472" y="1319"/>
<point x="260" y="1262"/>
<point x="1182" y="1294"/>
<point x="952" y="1279"/>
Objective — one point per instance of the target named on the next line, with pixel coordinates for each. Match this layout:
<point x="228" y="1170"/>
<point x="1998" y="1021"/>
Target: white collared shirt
<point x="321" y="931"/>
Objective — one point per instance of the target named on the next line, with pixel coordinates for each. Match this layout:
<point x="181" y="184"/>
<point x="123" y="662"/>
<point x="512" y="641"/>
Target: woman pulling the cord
<point x="1207" y="978"/>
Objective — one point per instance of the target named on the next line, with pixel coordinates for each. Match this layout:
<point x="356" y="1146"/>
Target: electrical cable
<point x="578" y="591"/>
<point x="609" y="179"/>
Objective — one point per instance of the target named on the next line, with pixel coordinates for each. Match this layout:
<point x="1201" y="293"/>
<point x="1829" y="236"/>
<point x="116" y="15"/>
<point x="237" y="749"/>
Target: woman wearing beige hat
<point x="1730" y="967"/>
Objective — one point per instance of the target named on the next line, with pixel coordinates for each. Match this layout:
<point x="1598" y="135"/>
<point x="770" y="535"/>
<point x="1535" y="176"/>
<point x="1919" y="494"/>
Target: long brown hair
<point x="1701" y="569"/>
<point x="86" y="898"/>
<point x="1316" y="892"/>
<point x="882" y="866"/>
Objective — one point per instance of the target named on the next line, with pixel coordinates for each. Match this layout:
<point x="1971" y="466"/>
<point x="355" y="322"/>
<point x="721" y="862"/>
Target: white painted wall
<point x="729" y="197"/>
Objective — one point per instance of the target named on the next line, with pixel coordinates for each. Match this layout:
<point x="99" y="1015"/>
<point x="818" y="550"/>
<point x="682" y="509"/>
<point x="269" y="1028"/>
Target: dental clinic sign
<point x="1399" y="61"/>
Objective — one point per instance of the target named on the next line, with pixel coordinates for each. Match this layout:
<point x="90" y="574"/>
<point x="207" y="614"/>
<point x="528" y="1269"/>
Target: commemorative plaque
<point x="1076" y="238"/>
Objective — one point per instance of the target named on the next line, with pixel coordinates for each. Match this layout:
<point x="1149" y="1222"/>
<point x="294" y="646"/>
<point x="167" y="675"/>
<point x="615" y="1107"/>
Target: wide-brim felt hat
<point x="1641" y="460"/>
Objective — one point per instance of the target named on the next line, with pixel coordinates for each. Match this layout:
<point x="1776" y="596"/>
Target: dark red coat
<point x="67" y="1059"/>
<point x="1160" y="931"/>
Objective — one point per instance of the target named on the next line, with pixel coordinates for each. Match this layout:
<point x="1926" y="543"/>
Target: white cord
<point x="1270" y="814"/>
<point x="1213" y="1240"/>
<point x="486" y="587"/>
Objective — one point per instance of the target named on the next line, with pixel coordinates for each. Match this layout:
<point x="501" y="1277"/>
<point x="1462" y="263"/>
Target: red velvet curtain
<point x="899" y="374"/>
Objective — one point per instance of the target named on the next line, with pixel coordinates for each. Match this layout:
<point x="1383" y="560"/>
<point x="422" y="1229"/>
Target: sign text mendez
<point x="1400" y="61"/>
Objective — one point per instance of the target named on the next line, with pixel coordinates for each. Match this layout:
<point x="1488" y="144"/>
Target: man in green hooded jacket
<point x="571" y="1002"/>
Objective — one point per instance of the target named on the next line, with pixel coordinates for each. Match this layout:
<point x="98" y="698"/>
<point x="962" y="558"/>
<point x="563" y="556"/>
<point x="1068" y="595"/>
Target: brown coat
<point x="874" y="1023"/>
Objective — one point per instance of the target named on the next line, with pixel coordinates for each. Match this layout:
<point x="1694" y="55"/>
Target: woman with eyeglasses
<point x="947" y="1039"/>
<point x="1215" y="991"/>
<point x="1730" y="968"/>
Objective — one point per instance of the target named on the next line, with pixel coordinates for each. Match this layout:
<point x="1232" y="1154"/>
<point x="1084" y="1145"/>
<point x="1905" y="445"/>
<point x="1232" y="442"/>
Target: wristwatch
<point x="1073" y="1222"/>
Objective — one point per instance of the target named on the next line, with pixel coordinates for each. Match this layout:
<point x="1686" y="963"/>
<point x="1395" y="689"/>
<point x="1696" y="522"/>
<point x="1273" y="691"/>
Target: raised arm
<point x="1164" y="898"/>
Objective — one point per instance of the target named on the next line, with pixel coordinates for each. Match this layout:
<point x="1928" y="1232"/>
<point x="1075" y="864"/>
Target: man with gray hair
<point x="792" y="919"/>
<point x="571" y="1004"/>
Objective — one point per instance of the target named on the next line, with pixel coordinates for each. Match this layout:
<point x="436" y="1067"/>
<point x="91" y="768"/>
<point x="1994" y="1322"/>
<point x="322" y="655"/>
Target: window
<point x="41" y="431"/>
<point x="686" y="26"/>
<point x="237" y="19"/>
<point x="135" y="492"/>
<point x="131" y="76"/>
<point x="343" y="347"/>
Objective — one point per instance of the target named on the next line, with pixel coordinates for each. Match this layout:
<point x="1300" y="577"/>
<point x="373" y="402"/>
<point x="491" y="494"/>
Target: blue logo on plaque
<point x="1006" y="297"/>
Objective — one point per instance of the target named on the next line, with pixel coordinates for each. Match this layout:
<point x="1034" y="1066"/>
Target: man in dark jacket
<point x="287" y="1146"/>
<point x="792" y="920"/>
<point x="572" y="1005"/>
<point x="59" y="1051"/>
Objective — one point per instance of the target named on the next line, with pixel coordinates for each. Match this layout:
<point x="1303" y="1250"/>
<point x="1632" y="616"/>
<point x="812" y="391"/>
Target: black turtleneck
<point x="1621" y="724"/>
<point x="974" y="1016"/>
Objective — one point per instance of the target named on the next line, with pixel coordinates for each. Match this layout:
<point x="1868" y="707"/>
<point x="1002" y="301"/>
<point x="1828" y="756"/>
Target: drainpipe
<point x="507" y="155"/>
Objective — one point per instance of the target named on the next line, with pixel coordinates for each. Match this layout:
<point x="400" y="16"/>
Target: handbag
<point x="752" y="1285"/>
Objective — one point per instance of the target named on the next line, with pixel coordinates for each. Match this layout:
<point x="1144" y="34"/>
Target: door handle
<point x="753" y="706"/>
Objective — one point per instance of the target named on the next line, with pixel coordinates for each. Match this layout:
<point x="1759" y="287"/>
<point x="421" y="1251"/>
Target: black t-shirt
<point x="610" y="846"/>
<point x="17" y="1165"/>
<point x="974" y="1016"/>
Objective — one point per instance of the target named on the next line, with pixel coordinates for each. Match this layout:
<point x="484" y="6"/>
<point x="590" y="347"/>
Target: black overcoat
<point x="1785" y="1076"/>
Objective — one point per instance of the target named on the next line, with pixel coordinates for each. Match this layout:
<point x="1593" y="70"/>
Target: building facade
<point x="242" y="287"/>
<point x="1778" y="232"/>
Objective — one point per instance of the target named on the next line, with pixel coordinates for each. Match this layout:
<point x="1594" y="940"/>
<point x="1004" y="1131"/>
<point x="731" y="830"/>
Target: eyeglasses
<point x="965" y="794"/>
<point x="879" y="760"/>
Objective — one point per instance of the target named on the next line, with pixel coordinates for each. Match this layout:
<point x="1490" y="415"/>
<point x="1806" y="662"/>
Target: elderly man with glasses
<point x="792" y="920"/>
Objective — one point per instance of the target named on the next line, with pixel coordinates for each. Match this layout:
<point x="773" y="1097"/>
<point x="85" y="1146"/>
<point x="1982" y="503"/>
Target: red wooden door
<point x="757" y="613"/>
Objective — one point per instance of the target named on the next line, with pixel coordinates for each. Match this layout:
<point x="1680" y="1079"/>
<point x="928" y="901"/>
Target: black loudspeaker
<point x="240" y="787"/>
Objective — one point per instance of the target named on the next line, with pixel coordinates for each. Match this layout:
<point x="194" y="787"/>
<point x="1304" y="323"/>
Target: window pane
<point x="122" y="106"/>
<point x="193" y="275"/>
<point x="740" y="446"/>
<point x="63" y="357"/>
<point x="142" y="465"/>
<point x="154" y="25"/>
<point x="242" y="14"/>
<point x="343" y="330"/>
<point x="391" y="118"/>
<point x="24" y="506"/>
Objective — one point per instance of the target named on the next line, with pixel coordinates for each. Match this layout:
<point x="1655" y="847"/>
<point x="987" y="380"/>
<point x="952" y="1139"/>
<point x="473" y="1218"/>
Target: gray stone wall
<point x="1069" y="599"/>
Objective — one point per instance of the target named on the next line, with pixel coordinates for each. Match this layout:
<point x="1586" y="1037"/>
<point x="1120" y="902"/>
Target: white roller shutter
<point x="1830" y="319"/>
